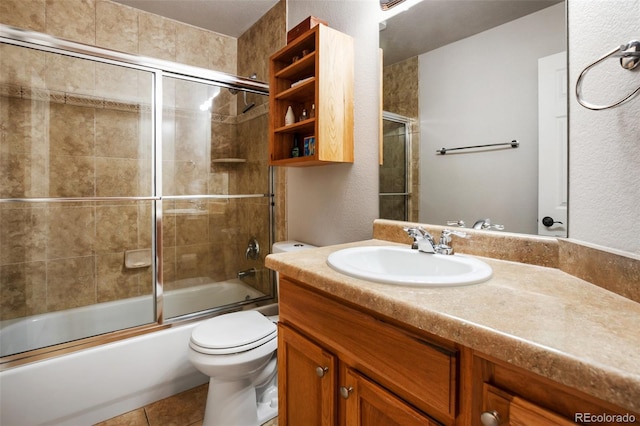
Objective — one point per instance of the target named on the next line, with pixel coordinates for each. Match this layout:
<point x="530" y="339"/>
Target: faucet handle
<point x="459" y="223"/>
<point x="445" y="238"/>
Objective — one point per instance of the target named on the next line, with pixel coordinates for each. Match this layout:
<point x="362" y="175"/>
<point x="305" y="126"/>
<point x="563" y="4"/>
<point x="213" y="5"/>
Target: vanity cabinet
<point x="314" y="74"/>
<point x="339" y="365"/>
<point x="507" y="395"/>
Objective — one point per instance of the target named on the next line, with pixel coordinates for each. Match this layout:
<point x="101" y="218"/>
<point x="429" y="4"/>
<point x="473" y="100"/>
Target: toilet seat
<point x="232" y="333"/>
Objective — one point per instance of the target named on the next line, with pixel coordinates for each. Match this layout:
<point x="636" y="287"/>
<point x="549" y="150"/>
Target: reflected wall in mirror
<point x="467" y="73"/>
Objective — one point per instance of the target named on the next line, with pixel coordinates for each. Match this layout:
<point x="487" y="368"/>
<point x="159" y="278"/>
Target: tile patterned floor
<point x="183" y="409"/>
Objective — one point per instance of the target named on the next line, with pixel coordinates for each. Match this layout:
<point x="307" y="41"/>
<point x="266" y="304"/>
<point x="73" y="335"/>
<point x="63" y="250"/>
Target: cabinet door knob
<point x="345" y="391"/>
<point x="490" y="418"/>
<point x="321" y="371"/>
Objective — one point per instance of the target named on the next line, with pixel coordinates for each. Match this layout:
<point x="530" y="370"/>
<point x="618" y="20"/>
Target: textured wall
<point x="337" y="203"/>
<point x="604" y="152"/>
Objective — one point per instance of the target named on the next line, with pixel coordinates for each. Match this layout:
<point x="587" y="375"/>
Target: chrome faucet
<point x="486" y="224"/>
<point x="247" y="273"/>
<point x="424" y="242"/>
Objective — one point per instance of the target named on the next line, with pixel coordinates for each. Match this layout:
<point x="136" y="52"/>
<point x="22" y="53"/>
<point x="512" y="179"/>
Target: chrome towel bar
<point x="514" y="144"/>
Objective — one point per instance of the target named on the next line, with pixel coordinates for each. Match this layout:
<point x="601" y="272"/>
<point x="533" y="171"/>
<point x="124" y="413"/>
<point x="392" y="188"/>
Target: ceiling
<point x="427" y="25"/>
<point x="435" y="23"/>
<point x="228" y="17"/>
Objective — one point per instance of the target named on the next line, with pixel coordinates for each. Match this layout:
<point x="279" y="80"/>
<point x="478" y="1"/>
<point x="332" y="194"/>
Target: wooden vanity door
<point x="368" y="404"/>
<point x="307" y="377"/>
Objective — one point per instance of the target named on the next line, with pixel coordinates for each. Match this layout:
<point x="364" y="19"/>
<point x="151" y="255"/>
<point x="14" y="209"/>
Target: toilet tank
<point x="287" y="246"/>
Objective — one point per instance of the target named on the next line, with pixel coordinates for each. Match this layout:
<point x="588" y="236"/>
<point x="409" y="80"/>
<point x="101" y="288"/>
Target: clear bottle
<point x="304" y="115"/>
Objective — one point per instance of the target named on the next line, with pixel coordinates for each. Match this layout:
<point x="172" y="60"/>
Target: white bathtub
<point x="92" y="385"/>
<point x="37" y="331"/>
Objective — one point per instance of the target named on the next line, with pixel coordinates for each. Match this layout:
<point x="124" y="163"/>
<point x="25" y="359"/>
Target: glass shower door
<point x="76" y="196"/>
<point x="215" y="203"/>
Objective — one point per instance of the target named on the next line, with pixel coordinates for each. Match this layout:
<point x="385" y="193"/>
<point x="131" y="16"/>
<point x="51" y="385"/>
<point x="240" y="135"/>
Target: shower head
<point x="247" y="106"/>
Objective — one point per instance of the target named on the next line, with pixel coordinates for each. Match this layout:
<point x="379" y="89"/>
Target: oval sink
<point x="404" y="266"/>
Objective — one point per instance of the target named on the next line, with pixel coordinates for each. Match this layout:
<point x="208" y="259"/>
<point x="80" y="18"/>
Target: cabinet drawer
<point x="418" y="371"/>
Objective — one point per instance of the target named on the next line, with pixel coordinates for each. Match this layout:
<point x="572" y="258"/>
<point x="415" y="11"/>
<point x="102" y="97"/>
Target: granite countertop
<point x="537" y="318"/>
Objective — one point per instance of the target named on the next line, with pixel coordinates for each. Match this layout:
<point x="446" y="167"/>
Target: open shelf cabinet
<point x="314" y="73"/>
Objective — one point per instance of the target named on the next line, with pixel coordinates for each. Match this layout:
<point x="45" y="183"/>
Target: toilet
<point x="238" y="353"/>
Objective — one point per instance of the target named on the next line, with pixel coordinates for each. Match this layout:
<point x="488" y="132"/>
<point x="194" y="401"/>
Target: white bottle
<point x="289" y="118"/>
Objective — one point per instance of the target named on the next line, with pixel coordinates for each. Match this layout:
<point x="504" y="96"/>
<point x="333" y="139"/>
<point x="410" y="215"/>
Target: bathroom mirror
<point x="479" y="72"/>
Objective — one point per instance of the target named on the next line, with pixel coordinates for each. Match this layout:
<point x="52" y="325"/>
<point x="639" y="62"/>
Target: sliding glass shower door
<point x="130" y="194"/>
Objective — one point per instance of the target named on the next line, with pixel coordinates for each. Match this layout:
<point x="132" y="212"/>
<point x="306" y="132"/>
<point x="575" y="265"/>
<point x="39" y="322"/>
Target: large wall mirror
<point x="471" y="73"/>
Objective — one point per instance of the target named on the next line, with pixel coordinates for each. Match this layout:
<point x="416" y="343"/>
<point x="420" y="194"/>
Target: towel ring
<point x="629" y="55"/>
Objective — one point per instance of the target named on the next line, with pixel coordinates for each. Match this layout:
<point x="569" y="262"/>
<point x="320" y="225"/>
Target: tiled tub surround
<point x="89" y="135"/>
<point x="535" y="317"/>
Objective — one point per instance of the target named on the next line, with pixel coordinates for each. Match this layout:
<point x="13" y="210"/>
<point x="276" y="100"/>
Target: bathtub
<point x="96" y="384"/>
<point x="43" y="330"/>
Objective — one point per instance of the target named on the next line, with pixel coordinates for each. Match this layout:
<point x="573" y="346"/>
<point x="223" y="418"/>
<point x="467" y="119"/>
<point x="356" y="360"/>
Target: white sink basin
<point x="404" y="266"/>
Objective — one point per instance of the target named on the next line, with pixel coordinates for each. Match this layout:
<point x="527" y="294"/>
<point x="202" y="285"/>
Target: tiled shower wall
<point x="59" y="256"/>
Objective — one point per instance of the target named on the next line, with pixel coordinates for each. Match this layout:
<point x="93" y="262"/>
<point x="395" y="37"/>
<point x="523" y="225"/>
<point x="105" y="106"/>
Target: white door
<point x="552" y="145"/>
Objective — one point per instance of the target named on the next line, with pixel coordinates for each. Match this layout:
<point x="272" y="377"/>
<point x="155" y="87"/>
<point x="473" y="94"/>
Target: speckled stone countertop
<point x="535" y="317"/>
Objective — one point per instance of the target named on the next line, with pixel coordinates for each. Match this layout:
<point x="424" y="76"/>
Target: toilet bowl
<point x="238" y="353"/>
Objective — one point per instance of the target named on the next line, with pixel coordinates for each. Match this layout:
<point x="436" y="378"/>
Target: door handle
<point x="548" y="221"/>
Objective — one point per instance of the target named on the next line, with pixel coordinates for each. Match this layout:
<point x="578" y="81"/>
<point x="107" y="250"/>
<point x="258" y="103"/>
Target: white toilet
<point x="238" y="352"/>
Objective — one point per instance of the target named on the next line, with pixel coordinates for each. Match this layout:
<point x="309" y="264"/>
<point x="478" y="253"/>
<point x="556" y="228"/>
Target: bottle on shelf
<point x="304" y="115"/>
<point x="289" y="117"/>
<point x="295" y="151"/>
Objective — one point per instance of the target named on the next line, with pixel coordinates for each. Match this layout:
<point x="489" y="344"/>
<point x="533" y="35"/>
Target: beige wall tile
<point x="68" y="74"/>
<point x="21" y="66"/>
<point x="116" y="26"/>
<point x="157" y="37"/>
<point x="28" y="14"/>
<point x="121" y="84"/>
<point x="72" y="130"/>
<point x="72" y="232"/>
<point x="117" y="177"/>
<point x="114" y="281"/>
<point x="192" y="46"/>
<point x="70" y="283"/>
<point x="116" y="228"/>
<point x="23" y="235"/>
<point x="12" y="291"/>
<point x="71" y="176"/>
<point x="118" y="135"/>
<point x="72" y="20"/>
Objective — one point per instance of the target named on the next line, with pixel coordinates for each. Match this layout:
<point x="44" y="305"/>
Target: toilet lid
<point x="235" y="332"/>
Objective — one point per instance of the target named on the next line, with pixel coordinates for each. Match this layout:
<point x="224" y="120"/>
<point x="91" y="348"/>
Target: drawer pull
<point x="321" y="371"/>
<point x="345" y="391"/>
<point x="490" y="418"/>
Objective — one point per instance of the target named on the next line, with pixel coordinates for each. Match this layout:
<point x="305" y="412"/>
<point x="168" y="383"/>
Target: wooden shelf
<point x="323" y="80"/>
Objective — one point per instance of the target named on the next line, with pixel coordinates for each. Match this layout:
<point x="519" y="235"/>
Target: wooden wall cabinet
<point x="313" y="73"/>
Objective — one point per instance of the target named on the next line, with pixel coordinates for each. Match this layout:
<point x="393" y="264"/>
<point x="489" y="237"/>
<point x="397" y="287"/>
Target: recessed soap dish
<point x="140" y="258"/>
